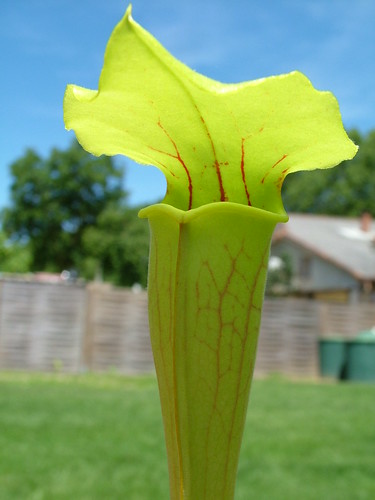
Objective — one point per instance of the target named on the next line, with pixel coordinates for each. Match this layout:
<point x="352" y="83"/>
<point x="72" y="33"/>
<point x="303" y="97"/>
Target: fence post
<point x="88" y="328"/>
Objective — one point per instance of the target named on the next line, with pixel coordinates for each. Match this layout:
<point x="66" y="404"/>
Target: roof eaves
<point x="289" y="236"/>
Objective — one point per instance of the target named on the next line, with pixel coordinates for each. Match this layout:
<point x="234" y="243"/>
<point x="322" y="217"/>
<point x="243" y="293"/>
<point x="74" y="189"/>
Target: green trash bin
<point x="361" y="357"/>
<point x="332" y="357"/>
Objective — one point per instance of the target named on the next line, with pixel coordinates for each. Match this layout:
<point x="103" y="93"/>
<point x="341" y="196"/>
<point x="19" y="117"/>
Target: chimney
<point x="365" y="222"/>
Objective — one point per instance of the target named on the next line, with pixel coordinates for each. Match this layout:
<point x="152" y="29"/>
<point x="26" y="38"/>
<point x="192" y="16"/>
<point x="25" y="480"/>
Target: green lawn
<point x="100" y="437"/>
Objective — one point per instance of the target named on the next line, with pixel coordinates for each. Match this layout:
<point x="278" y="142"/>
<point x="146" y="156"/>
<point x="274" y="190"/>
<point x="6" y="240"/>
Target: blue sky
<point x="46" y="44"/>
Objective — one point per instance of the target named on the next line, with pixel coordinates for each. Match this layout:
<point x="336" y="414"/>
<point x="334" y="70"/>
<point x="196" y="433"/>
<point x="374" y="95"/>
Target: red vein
<point x="242" y="364"/>
<point x="243" y="170"/>
<point x="273" y="166"/>
<point x="162" y="365"/>
<point x="174" y="368"/>
<point x="280" y="180"/>
<point x="178" y="157"/>
<point x="221" y="295"/>
<point x="223" y="196"/>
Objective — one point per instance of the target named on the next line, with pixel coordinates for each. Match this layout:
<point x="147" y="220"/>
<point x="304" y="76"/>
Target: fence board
<point x="45" y="326"/>
<point x="118" y="331"/>
<point x="41" y="326"/>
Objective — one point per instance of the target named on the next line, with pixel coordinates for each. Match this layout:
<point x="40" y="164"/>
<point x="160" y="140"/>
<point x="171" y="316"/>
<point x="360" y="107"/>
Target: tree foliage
<point x="14" y="258"/>
<point x="69" y="210"/>
<point x="279" y="275"/>
<point x="347" y="190"/>
<point x="117" y="247"/>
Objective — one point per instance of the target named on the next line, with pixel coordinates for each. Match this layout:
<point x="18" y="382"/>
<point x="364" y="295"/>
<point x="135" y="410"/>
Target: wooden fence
<point x="74" y="328"/>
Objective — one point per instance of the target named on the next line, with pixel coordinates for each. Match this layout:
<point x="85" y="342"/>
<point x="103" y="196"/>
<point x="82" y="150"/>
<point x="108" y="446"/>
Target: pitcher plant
<point x="225" y="150"/>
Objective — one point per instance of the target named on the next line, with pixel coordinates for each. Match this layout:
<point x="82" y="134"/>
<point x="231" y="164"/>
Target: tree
<point x="14" y="258"/>
<point x="56" y="199"/>
<point x="117" y="247"/>
<point x="279" y="276"/>
<point x="346" y="190"/>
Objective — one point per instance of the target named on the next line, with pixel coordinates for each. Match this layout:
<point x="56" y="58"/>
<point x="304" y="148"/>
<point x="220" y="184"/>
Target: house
<point x="330" y="257"/>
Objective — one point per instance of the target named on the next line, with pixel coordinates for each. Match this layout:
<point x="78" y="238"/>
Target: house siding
<point x="310" y="272"/>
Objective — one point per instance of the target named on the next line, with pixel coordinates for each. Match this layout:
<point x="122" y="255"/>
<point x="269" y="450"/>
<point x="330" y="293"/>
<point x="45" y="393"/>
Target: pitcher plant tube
<point x="225" y="150"/>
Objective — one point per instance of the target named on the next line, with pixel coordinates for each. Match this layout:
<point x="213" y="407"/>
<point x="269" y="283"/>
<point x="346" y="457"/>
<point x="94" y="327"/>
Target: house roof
<point x="348" y="243"/>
